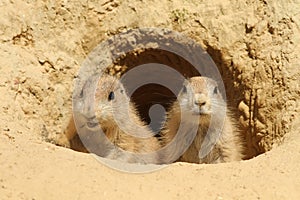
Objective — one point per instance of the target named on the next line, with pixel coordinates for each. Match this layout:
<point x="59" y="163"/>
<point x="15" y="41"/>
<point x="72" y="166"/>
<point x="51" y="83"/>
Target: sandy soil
<point x="42" y="45"/>
<point x="31" y="169"/>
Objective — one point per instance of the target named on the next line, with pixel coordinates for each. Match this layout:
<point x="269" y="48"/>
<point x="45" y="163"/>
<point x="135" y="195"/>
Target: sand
<point x="42" y="45"/>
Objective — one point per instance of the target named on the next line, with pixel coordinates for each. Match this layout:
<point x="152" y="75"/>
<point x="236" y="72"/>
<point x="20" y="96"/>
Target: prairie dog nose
<point x="200" y="99"/>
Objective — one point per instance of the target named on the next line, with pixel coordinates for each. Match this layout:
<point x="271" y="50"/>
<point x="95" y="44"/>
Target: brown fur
<point x="202" y="102"/>
<point x="117" y="124"/>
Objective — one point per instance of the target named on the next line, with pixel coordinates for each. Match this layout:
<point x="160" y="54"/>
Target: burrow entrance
<point x="151" y="94"/>
<point x="148" y="95"/>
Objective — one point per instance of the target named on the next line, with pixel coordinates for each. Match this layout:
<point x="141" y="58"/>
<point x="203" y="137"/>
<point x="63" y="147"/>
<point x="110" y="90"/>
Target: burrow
<point x="143" y="48"/>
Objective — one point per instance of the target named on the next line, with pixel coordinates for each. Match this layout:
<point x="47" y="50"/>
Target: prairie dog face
<point x="199" y="95"/>
<point x="110" y="96"/>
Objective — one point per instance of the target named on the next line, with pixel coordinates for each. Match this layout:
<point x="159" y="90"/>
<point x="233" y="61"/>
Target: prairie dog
<point x="121" y="124"/>
<point x="196" y="119"/>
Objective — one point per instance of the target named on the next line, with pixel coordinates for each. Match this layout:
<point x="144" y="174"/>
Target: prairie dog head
<point x="200" y="96"/>
<point x="114" y="110"/>
<point x="110" y="97"/>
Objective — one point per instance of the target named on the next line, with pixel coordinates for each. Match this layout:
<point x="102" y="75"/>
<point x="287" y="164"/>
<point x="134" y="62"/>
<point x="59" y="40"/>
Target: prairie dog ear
<point x="186" y="81"/>
<point x="187" y="87"/>
<point x="184" y="88"/>
<point x="185" y="84"/>
<point x="122" y="89"/>
<point x="216" y="90"/>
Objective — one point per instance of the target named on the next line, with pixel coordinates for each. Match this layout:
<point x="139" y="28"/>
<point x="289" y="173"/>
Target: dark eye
<point x="216" y="91"/>
<point x="111" y="96"/>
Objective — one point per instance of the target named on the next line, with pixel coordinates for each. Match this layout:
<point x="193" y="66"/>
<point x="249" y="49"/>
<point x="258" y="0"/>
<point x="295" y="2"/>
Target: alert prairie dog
<point x="121" y="124"/>
<point x="196" y="117"/>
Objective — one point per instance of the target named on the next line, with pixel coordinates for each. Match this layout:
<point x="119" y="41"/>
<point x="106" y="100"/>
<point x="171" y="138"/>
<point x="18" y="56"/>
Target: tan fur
<point x="116" y="124"/>
<point x="200" y="101"/>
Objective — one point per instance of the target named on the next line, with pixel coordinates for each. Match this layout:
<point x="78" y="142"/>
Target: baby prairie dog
<point x="198" y="127"/>
<point x="121" y="124"/>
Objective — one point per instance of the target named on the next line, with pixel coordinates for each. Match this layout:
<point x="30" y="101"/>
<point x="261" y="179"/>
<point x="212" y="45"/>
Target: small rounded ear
<point x="185" y="86"/>
<point x="184" y="89"/>
<point x="122" y="93"/>
<point x="122" y="90"/>
<point x="216" y="90"/>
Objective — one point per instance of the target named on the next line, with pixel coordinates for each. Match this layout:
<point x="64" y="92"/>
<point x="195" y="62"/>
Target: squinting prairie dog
<point x="199" y="106"/>
<point x="120" y="122"/>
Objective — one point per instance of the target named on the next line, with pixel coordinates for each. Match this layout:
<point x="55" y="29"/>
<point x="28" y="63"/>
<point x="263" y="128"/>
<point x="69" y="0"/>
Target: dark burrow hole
<point x="154" y="63"/>
<point x="151" y="94"/>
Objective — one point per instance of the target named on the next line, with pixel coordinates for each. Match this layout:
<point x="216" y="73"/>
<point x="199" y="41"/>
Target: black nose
<point x="200" y="103"/>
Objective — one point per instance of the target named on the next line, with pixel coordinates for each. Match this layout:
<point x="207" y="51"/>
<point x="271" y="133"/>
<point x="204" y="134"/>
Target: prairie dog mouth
<point x="200" y="110"/>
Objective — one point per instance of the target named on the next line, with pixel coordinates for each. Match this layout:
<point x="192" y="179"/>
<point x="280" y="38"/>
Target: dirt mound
<point x="254" y="44"/>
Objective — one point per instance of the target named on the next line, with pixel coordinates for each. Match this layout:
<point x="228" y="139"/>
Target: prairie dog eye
<point x="216" y="90"/>
<point x="111" y="96"/>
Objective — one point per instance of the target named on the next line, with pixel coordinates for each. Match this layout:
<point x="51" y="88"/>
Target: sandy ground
<point x="31" y="169"/>
<point x="42" y="45"/>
